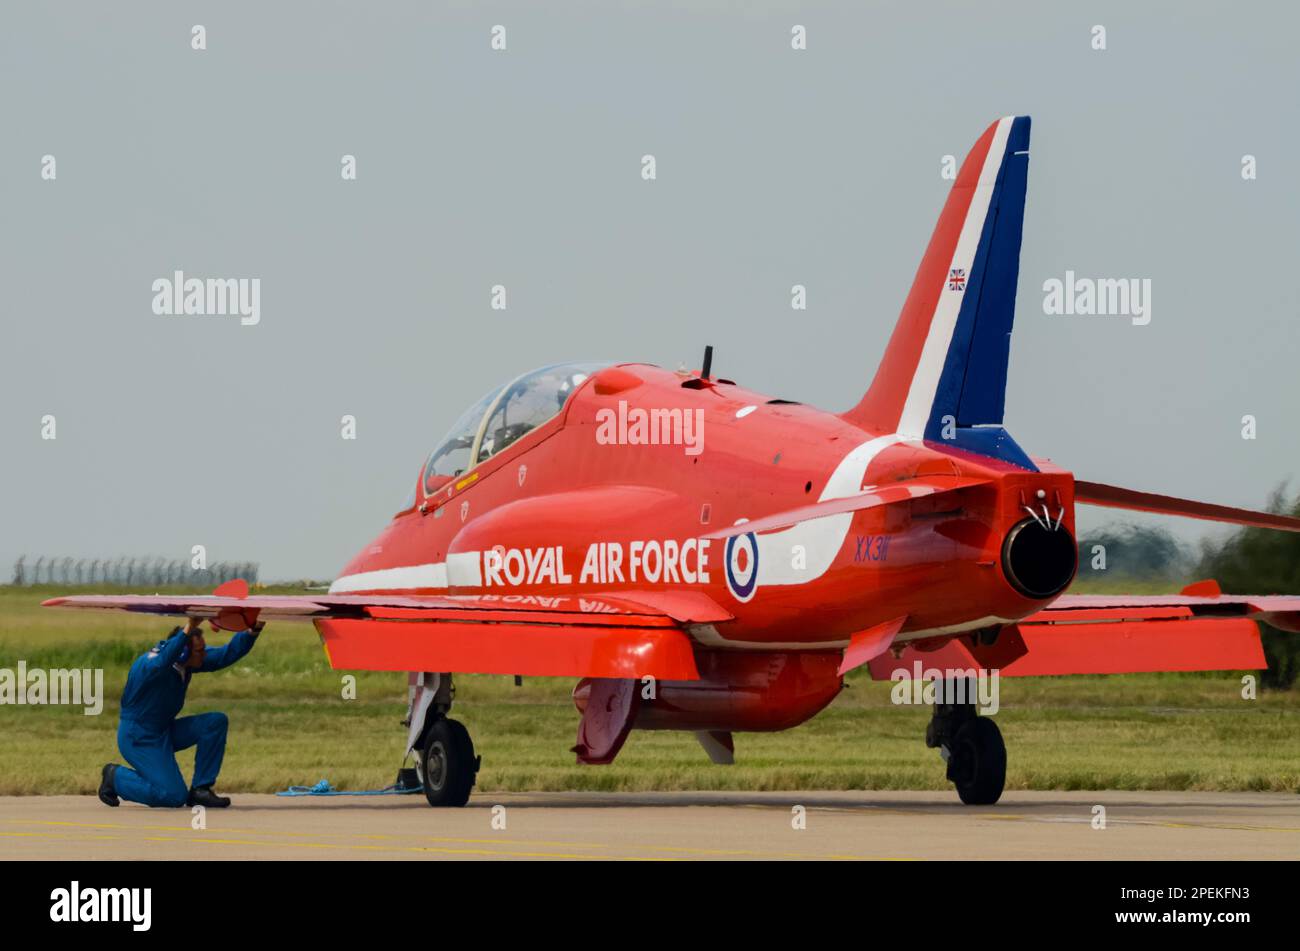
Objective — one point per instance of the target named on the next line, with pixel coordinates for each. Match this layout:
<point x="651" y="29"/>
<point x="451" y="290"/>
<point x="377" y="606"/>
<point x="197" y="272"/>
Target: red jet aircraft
<point x="710" y="559"/>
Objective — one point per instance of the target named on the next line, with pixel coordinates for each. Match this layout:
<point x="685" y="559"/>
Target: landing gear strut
<point x="972" y="746"/>
<point x="446" y="762"/>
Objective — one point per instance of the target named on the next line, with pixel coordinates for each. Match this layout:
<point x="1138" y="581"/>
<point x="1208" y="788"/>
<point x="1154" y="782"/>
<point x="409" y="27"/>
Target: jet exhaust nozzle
<point x="1039" y="560"/>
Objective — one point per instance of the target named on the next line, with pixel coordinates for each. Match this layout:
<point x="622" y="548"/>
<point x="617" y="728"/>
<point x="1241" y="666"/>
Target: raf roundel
<point x="742" y="565"/>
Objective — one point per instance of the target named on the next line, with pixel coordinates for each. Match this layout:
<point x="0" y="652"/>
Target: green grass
<point x="290" y="725"/>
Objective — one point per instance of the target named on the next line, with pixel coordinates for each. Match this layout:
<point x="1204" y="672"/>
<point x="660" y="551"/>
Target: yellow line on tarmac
<point x="398" y="848"/>
<point x="603" y="845"/>
<point x="686" y="850"/>
<point x="334" y="845"/>
<point x="282" y="832"/>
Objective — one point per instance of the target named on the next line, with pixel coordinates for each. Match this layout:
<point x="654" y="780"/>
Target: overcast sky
<point x="477" y="167"/>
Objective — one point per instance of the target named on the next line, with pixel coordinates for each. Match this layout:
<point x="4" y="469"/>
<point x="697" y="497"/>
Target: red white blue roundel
<point x="742" y="565"/>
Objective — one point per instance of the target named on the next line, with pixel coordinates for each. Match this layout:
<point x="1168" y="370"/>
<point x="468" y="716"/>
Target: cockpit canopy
<point x="500" y="418"/>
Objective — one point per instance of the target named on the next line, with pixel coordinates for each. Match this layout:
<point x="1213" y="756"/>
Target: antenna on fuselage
<point x="708" y="361"/>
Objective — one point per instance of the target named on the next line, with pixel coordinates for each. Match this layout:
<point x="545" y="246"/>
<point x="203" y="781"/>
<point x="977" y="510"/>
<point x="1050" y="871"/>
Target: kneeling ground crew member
<point x="149" y="733"/>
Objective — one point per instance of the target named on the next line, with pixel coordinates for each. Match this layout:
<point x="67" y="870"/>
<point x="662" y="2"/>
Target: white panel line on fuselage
<point x="433" y="575"/>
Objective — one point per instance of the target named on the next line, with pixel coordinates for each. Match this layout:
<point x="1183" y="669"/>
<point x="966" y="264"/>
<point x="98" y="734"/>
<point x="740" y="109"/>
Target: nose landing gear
<point x="446" y="762"/>
<point x="448" y="766"/>
<point x="971" y="745"/>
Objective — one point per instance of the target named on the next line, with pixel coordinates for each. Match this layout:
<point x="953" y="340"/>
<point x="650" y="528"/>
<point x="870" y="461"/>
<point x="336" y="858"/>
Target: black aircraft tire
<point x="981" y="762"/>
<point x="447" y="763"/>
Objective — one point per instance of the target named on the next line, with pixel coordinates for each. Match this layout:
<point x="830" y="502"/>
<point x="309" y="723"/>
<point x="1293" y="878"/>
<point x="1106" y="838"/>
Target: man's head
<point x="195" y="646"/>
<point x="196" y="651"/>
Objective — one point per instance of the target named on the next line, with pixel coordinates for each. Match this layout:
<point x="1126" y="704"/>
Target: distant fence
<point x="128" y="571"/>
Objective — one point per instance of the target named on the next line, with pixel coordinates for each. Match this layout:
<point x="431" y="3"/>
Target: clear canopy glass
<point x="502" y="417"/>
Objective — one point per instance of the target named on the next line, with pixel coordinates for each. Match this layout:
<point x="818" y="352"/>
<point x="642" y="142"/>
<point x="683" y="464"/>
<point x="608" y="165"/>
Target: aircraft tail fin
<point x="944" y="373"/>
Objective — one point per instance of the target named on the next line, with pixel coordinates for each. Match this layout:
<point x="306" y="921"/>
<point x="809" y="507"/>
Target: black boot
<point x="107" y="794"/>
<point x="204" y="796"/>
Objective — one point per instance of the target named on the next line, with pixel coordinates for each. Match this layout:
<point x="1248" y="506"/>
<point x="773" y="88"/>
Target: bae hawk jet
<point x="702" y="557"/>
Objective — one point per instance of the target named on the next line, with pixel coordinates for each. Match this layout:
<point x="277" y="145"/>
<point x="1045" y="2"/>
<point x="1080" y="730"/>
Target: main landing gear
<point x="972" y="746"/>
<point x="445" y="761"/>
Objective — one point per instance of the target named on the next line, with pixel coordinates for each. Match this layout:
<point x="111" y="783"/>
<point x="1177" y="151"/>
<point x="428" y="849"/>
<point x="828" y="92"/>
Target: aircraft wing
<point x="627" y="635"/>
<point x="1112" y="634"/>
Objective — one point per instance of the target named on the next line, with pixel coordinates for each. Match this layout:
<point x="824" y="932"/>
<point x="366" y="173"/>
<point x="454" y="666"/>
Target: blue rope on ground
<point x="323" y="788"/>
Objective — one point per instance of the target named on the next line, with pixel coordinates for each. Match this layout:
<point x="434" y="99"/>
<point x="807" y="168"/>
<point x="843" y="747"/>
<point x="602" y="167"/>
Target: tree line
<point x="128" y="570"/>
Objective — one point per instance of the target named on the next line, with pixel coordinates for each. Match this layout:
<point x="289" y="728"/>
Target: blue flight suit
<point x="149" y="733"/>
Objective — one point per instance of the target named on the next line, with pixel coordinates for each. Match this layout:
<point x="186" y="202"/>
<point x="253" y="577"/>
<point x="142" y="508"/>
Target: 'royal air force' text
<point x="652" y="562"/>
